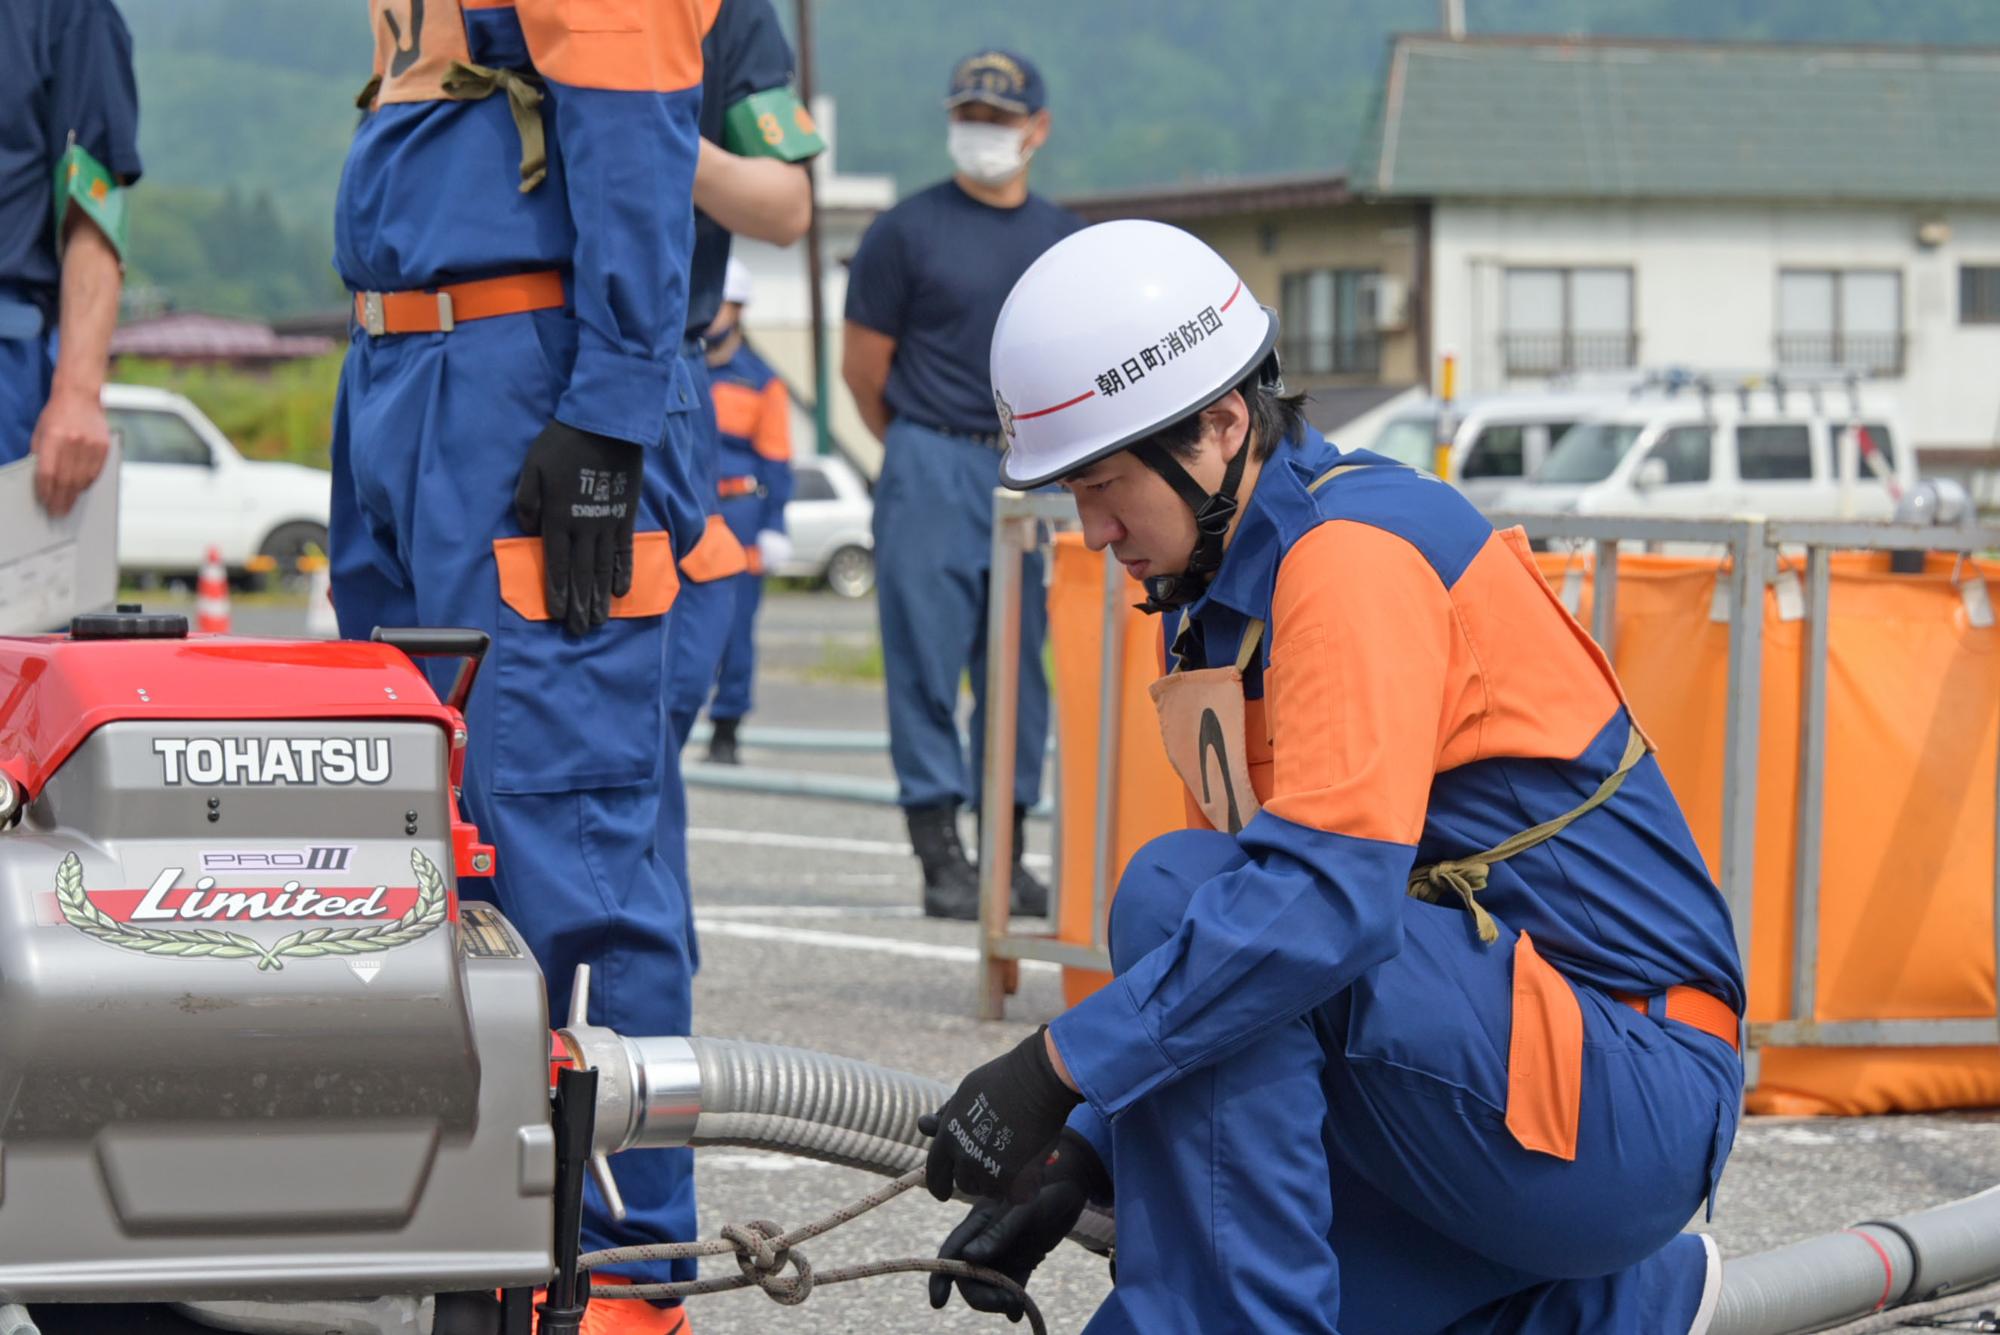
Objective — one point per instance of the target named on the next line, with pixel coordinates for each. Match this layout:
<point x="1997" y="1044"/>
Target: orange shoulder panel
<point x="1549" y="690"/>
<point x="736" y="408"/>
<point x="1359" y="687"/>
<point x="629" y="46"/>
<point x="773" y="439"/>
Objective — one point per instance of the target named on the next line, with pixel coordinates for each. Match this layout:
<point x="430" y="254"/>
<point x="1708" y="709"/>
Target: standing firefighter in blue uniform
<point x="513" y="450"/>
<point x="1430" y="1023"/>
<point x="756" y="142"/>
<point x="69" y="124"/>
<point x="753" y="414"/>
<point x="922" y="294"/>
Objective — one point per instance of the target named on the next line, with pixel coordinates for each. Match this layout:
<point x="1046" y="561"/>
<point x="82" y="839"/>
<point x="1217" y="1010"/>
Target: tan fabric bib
<point x="1201" y="721"/>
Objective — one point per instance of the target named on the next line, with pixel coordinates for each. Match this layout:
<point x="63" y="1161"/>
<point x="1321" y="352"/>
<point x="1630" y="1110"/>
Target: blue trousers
<point x="933" y="548"/>
<point x="566" y="755"/>
<point x="735" y="683"/>
<point x="26" y="367"/>
<point x="1350" y="1170"/>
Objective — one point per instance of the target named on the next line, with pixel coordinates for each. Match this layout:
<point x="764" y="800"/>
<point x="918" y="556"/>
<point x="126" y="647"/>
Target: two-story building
<point x="1596" y="204"/>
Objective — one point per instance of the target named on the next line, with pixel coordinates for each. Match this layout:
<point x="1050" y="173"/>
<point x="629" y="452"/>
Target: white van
<point x="1724" y="454"/>
<point x="1496" y="440"/>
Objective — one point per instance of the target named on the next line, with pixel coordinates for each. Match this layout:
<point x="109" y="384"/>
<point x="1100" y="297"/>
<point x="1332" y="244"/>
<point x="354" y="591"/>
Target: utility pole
<point x="822" y="429"/>
<point x="1454" y="18"/>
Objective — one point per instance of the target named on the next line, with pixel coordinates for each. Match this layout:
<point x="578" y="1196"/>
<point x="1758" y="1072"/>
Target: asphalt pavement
<point x="811" y="936"/>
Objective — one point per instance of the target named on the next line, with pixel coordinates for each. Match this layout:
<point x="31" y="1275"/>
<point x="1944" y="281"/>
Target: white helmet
<point x="736" y="281"/>
<point x="1116" y="331"/>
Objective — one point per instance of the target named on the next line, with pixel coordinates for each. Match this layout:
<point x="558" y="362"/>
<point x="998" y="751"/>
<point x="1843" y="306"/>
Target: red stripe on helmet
<point x="1234" y="295"/>
<point x="1044" y="412"/>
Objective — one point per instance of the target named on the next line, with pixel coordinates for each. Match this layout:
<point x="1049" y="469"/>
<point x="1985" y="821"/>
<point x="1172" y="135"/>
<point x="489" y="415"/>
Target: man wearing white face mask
<point x="923" y="293"/>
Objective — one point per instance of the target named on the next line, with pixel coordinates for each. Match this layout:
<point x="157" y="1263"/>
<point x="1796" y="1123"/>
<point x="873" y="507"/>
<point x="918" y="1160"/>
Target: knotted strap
<point x="1466" y="877"/>
<point x="465" y="82"/>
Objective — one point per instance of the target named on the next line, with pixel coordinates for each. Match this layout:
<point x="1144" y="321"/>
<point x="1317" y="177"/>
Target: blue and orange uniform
<point x="515" y="220"/>
<point x="753" y="413"/>
<point x="747" y="107"/>
<point x="69" y="82"/>
<point x="1329" y="1104"/>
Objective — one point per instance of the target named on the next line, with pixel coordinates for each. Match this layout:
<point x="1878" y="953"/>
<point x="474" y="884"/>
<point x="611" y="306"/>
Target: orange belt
<point x="1692" y="1006"/>
<point x="440" y="311"/>
<point x="735" y="486"/>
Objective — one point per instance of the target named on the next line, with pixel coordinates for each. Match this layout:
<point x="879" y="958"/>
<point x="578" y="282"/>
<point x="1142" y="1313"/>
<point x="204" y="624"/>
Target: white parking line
<point x="810" y="911"/>
<point x="880" y="945"/>
<point x="820" y="843"/>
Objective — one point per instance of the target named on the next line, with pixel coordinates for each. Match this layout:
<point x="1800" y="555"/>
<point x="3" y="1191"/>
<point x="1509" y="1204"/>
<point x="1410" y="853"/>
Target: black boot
<point x="951" y="886"/>
<point x="1027" y="896"/>
<point x="722" y="742"/>
<point x="1030" y="897"/>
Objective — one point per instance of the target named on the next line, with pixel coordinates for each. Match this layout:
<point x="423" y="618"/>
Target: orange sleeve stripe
<point x="1548" y="691"/>
<point x="773" y="437"/>
<point x="737" y="409"/>
<point x="1361" y="635"/>
<point x="630" y="46"/>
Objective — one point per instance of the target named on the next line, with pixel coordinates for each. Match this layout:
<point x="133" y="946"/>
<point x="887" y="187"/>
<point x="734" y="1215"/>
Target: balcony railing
<point x="1550" y="354"/>
<point x="1867" y="354"/>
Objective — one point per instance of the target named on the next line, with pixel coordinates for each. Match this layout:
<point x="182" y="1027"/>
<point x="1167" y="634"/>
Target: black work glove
<point x="580" y="491"/>
<point x="1013" y="1239"/>
<point x="1003" y="1117"/>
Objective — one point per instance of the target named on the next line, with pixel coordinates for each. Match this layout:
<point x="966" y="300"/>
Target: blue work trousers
<point x="735" y="684"/>
<point x="1351" y="1170"/>
<point x="27" y="365"/>
<point x="566" y="755"/>
<point x="933" y="551"/>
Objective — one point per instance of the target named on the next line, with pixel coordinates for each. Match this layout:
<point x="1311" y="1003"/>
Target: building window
<point x="1841" y="319"/>
<point x="1567" y="320"/>
<point x="1328" y="318"/>
<point x="1979" y="294"/>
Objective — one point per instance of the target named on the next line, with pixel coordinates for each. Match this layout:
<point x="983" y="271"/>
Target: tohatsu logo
<point x="273" y="760"/>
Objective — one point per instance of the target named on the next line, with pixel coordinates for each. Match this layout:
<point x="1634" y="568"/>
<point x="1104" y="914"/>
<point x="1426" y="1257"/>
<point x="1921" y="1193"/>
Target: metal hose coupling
<point x="670" y="1093"/>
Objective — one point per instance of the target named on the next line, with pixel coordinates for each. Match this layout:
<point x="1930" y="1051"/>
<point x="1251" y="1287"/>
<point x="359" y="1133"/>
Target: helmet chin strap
<point x="1212" y="516"/>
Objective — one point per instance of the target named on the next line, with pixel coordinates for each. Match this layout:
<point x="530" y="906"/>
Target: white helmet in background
<point x="1116" y="331"/>
<point x="736" y="282"/>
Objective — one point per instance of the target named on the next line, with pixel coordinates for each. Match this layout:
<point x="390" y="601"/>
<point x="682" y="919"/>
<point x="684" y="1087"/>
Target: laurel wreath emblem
<point x="209" y="943"/>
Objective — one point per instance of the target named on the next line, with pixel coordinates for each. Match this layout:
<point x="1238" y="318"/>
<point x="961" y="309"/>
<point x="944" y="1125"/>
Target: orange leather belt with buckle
<point x="1692" y="1006"/>
<point x="730" y="487"/>
<point x="440" y="311"/>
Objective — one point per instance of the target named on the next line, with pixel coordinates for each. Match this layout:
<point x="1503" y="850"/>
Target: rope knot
<point x="1465" y="879"/>
<point x="762" y="1257"/>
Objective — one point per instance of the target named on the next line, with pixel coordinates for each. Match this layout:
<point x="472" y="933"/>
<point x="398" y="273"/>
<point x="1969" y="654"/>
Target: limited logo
<point x="123" y="918"/>
<point x="321" y="858"/>
<point x="273" y="760"/>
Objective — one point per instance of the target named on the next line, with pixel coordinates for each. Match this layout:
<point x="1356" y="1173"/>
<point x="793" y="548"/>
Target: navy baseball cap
<point x="999" y="79"/>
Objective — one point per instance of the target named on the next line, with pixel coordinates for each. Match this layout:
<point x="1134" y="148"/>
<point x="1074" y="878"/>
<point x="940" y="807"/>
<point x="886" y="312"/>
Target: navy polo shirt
<point x="69" y="71"/>
<point x="932" y="273"/>
<point x="744" y="53"/>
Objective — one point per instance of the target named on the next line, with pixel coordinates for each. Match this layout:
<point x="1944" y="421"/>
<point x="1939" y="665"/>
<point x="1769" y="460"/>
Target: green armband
<point x="83" y="182"/>
<point x="771" y="124"/>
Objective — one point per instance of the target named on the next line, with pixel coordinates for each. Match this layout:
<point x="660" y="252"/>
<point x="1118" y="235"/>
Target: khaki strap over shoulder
<point x="465" y="82"/>
<point x="1253" y="635"/>
<point x="1466" y="877"/>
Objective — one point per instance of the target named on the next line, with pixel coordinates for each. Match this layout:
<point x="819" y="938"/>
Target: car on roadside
<point x="1496" y="440"/>
<point x="830" y="519"/>
<point x="183" y="488"/>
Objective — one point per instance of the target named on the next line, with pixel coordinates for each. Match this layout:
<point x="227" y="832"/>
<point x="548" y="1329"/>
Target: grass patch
<point x="844" y="661"/>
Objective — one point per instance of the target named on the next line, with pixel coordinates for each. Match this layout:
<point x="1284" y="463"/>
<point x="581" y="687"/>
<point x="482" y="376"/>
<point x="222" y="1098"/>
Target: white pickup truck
<point x="184" y="488"/>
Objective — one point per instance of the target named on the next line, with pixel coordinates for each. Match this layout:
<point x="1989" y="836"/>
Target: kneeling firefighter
<point x="1430" y="1023"/>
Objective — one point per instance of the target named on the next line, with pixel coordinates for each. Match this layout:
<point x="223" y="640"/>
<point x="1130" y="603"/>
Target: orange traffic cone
<point x="211" y="596"/>
<point x="321" y="623"/>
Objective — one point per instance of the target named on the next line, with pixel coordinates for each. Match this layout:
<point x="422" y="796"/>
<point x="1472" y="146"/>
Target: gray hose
<point x="14" y="1320"/>
<point x="834" y="1109"/>
<point x="1843" y="1277"/>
